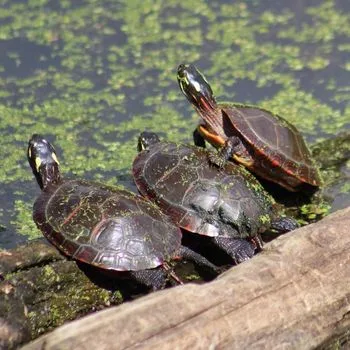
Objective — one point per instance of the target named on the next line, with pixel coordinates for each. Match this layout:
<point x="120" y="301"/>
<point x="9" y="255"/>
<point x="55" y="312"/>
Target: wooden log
<point x="293" y="295"/>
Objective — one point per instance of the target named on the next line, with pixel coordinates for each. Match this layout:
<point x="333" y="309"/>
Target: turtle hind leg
<point x="187" y="253"/>
<point x="284" y="225"/>
<point x="239" y="249"/>
<point x="152" y="278"/>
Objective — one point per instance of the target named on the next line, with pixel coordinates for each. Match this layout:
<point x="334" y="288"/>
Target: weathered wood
<point x="293" y="295"/>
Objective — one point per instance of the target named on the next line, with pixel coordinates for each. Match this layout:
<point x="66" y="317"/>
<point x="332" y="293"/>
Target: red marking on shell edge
<point x="187" y="228"/>
<point x="275" y="162"/>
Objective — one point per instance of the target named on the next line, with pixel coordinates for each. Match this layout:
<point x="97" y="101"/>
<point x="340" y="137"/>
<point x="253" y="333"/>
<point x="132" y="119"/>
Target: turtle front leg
<point x="187" y="253"/>
<point x="284" y="225"/>
<point x="233" y="145"/>
<point x="198" y="139"/>
<point x="152" y="278"/>
<point x="239" y="249"/>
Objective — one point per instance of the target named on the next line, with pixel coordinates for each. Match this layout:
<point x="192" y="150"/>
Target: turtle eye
<point x="181" y="71"/>
<point x="182" y="74"/>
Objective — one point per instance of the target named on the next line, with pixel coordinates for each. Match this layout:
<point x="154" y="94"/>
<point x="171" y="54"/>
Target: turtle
<point x="227" y="204"/>
<point x="105" y="226"/>
<point x="268" y="145"/>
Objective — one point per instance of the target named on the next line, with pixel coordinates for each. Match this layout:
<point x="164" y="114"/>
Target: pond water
<point x="90" y="75"/>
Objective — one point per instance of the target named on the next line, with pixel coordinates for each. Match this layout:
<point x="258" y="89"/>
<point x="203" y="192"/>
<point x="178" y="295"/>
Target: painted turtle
<point x="102" y="225"/>
<point x="265" y="143"/>
<point x="227" y="204"/>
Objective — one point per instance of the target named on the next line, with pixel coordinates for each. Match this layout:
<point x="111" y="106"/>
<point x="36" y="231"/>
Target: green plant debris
<point x="193" y="277"/>
<point x="314" y="211"/>
<point x="24" y="223"/>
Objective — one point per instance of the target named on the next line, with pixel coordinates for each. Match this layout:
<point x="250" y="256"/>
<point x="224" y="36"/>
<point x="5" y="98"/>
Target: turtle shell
<point x="199" y="197"/>
<point x="105" y="226"/>
<point x="279" y="151"/>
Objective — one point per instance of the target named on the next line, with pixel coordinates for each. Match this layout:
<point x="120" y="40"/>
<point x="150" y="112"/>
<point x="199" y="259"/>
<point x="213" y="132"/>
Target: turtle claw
<point x="258" y="243"/>
<point x="242" y="255"/>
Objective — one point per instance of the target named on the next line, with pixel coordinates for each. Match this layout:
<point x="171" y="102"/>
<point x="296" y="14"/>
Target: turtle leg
<point x="239" y="249"/>
<point x="153" y="278"/>
<point x="284" y="225"/>
<point x="232" y="145"/>
<point x="198" y="139"/>
<point x="187" y="253"/>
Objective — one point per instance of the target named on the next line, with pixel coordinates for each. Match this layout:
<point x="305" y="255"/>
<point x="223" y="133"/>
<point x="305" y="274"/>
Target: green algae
<point x="24" y="223"/>
<point x="193" y="277"/>
<point x="102" y="72"/>
<point x="313" y="211"/>
<point x="333" y="156"/>
<point x="64" y="300"/>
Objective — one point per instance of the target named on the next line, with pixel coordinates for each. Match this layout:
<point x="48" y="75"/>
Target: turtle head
<point x="146" y="140"/>
<point x="43" y="161"/>
<point x="196" y="88"/>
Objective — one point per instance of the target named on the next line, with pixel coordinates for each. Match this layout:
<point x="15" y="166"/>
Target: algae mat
<point x="90" y="75"/>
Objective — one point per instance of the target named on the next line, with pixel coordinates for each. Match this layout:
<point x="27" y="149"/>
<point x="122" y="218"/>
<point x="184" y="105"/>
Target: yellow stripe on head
<point x="182" y="81"/>
<point x="37" y="163"/>
<point x="54" y="157"/>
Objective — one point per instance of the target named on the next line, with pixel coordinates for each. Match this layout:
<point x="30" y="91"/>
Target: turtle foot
<point x="239" y="249"/>
<point x="153" y="278"/>
<point x="284" y="225"/>
<point x="187" y="253"/>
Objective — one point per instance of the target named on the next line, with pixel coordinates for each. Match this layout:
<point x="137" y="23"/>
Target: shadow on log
<point x="293" y="295"/>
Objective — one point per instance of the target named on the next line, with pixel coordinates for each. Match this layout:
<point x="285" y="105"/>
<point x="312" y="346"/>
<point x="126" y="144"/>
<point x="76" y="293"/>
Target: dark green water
<point x="90" y="75"/>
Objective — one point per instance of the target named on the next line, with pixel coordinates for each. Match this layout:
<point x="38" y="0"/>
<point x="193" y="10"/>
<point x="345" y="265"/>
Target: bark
<point x="293" y="295"/>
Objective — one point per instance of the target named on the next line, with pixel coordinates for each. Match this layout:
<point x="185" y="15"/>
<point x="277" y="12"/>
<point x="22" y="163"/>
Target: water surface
<point x="90" y="75"/>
